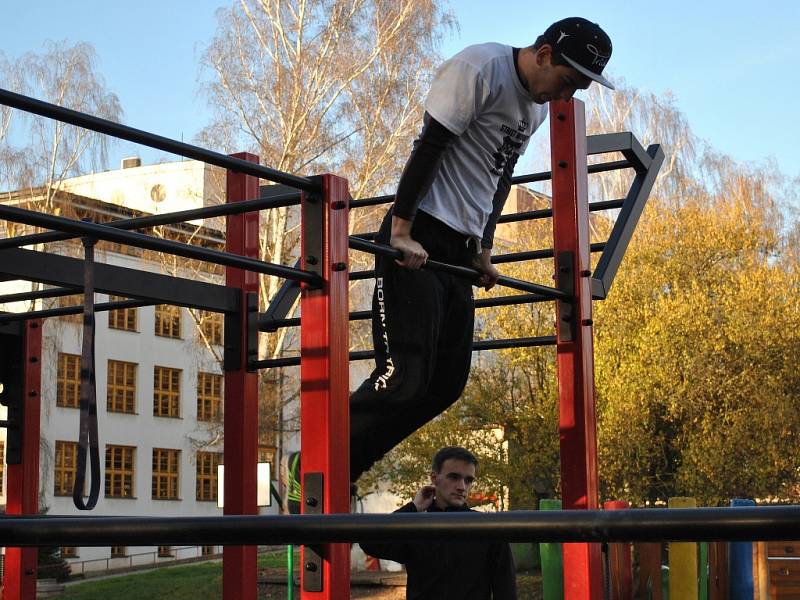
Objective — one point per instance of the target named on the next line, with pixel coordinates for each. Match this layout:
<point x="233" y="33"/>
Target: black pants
<point x="422" y="328"/>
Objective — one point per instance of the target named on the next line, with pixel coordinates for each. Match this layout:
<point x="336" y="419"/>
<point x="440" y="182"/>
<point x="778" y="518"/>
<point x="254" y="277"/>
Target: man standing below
<point x="483" y="107"/>
<point x="443" y="570"/>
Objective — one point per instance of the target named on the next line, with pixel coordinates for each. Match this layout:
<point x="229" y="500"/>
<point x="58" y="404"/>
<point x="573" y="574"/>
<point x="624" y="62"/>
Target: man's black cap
<point x="584" y="46"/>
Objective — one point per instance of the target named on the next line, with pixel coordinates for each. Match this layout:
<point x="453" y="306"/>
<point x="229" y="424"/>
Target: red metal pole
<point x="620" y="560"/>
<point x="583" y="578"/>
<point x="324" y="392"/>
<point x="22" y="495"/>
<point x="239" y="571"/>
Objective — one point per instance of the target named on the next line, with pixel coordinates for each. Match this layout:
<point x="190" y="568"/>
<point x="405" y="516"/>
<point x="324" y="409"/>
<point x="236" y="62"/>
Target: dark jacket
<point x="451" y="570"/>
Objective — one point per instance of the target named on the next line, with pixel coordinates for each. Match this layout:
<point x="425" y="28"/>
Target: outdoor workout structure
<point x="326" y="528"/>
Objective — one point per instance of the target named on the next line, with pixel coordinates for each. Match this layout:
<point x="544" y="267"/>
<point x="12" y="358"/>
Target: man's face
<point x="556" y="82"/>
<point x="453" y="482"/>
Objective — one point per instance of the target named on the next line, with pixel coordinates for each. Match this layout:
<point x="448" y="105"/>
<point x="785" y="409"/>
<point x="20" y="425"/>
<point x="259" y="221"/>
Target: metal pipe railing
<point x="39" y="294"/>
<point x="205" y="212"/>
<point x="104" y="232"/>
<point x="466" y="272"/>
<point x="688" y="524"/>
<point x="294" y="361"/>
<point x="266" y="324"/>
<point x="138" y="136"/>
<point x="72" y="310"/>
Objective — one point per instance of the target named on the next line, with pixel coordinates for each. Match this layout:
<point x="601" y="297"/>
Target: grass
<point x="194" y="582"/>
<point x="204" y="582"/>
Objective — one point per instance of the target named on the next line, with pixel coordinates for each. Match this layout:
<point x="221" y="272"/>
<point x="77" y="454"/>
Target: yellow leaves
<point x="696" y="357"/>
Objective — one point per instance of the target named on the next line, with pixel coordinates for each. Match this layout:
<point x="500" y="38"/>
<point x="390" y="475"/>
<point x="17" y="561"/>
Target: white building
<point x="158" y="373"/>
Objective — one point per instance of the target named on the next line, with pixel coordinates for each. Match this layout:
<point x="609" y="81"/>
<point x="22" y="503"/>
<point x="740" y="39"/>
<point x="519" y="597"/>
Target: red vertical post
<point x="239" y="572"/>
<point x="324" y="389"/>
<point x="583" y="577"/>
<point x="620" y="560"/>
<point x="22" y="493"/>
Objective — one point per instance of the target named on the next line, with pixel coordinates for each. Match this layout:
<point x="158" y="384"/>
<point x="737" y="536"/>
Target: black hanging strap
<point x="88" y="438"/>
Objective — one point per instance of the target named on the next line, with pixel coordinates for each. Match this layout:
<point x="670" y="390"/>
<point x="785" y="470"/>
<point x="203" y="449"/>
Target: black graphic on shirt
<point x="512" y="142"/>
<point x="503" y="153"/>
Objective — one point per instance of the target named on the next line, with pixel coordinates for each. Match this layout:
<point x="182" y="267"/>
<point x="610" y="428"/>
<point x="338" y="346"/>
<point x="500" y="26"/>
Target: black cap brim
<point x="590" y="74"/>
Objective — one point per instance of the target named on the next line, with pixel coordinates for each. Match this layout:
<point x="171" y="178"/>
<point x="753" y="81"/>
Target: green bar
<point x="289" y="572"/>
<point x="702" y="580"/>
<point x="551" y="557"/>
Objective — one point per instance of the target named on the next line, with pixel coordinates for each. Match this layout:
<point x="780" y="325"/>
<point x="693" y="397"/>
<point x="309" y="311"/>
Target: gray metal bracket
<point x="566" y="309"/>
<point x="313" y="504"/>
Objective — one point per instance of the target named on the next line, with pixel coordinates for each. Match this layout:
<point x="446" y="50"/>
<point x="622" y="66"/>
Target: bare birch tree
<point x="316" y="86"/>
<point x="38" y="152"/>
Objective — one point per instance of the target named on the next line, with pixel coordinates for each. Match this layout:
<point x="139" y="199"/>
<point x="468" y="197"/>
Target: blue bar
<point x="740" y="563"/>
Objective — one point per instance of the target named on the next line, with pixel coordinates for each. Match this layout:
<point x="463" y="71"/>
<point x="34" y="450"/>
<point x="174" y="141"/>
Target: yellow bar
<point x="683" y="560"/>
<point x="760" y="571"/>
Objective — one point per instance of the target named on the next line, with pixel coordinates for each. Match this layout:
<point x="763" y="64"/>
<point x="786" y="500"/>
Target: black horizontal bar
<point x="104" y="232"/>
<point x="293" y="361"/>
<point x="73" y="117"/>
<point x="632" y="525"/>
<point x="530" y="342"/>
<point x="266" y="324"/>
<point x="39" y="294"/>
<point x="72" y="310"/>
<point x="360" y="275"/>
<point x="472" y="274"/>
<point x="171" y="218"/>
<point x="55" y="269"/>
<point x="3" y="423"/>
<point x="546" y="213"/>
<point x="537" y="254"/>
<point x="371" y="201"/>
<point x="596" y="168"/>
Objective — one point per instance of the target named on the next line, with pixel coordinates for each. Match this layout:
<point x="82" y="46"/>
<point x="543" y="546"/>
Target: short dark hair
<point x="448" y="452"/>
<point x="555" y="58"/>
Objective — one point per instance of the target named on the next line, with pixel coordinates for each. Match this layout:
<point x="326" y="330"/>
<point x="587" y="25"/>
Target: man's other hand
<point x="483" y="263"/>
<point x="424" y="498"/>
<point x="414" y="255"/>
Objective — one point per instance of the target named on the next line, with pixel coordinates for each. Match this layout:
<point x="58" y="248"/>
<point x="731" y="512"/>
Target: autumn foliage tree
<point x="695" y="347"/>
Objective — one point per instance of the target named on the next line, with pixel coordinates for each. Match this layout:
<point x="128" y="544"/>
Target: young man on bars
<point x="483" y="107"/>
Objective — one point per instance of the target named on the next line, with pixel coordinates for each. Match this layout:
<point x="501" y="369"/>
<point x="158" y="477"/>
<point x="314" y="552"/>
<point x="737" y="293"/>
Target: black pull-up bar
<point x="138" y="136"/>
<point x="466" y="272"/>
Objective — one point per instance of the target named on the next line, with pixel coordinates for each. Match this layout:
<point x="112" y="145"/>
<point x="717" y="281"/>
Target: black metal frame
<point x="688" y="524"/>
<point x="646" y="164"/>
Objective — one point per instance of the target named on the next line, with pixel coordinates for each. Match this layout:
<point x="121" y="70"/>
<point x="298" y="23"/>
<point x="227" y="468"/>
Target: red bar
<point x="324" y="372"/>
<point x="620" y="560"/>
<point x="22" y="493"/>
<point x="239" y="572"/>
<point x="583" y="578"/>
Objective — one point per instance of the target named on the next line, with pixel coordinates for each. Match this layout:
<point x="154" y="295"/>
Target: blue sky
<point x="730" y="65"/>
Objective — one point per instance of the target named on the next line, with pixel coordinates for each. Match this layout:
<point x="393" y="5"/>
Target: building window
<point x="209" y="396"/>
<point x="211" y="327"/>
<point x="119" y="471"/>
<point x="66" y="467"/>
<point x="266" y="454"/>
<point x="125" y="319"/>
<point x="168" y="321"/>
<point x="165" y="551"/>
<point x="68" y="380"/>
<point x="165" y="473"/>
<point x="119" y="551"/>
<point x="207" y="551"/>
<point x="69" y="552"/>
<point x="71" y="301"/>
<point x="121" y="387"/>
<point x="166" y="392"/>
<point x="207" y="463"/>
